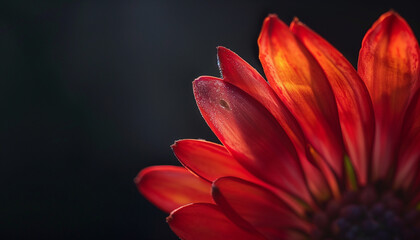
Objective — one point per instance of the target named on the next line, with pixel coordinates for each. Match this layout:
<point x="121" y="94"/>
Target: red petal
<point x="169" y="187"/>
<point x="209" y="160"/>
<point x="388" y="64"/>
<point x="251" y="134"/>
<point x="317" y="182"/>
<point x="261" y="208"/>
<point x="409" y="156"/>
<point x="238" y="72"/>
<point x="206" y="222"/>
<point x="298" y="80"/>
<point x="353" y="101"/>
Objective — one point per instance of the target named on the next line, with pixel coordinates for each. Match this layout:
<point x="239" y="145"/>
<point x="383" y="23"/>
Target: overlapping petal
<point x="209" y="160"/>
<point x="169" y="187"/>
<point x="389" y="66"/>
<point x="353" y="101"/>
<point x="239" y="73"/>
<point x="207" y="222"/>
<point x="251" y="134"/>
<point x="300" y="83"/>
<point x="408" y="165"/>
<point x="261" y="208"/>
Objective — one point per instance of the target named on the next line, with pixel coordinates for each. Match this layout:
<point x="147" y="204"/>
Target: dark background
<point x="91" y="92"/>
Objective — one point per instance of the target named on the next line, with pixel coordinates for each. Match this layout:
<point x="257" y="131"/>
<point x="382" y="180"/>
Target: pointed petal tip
<point x="272" y="16"/>
<point x="177" y="142"/>
<point x="271" y="23"/>
<point x="391" y="12"/>
<point x="222" y="48"/>
<point x="196" y="82"/>
<point x="201" y="78"/>
<point x="295" y="21"/>
<point x="200" y="84"/>
<point x="174" y="145"/>
<point x="296" y="25"/>
<point x="223" y="54"/>
<point x="270" y="19"/>
<point x="138" y="178"/>
<point x="204" y="78"/>
<point x="221" y="51"/>
<point x="169" y="218"/>
<point x="392" y="15"/>
<point x="172" y="214"/>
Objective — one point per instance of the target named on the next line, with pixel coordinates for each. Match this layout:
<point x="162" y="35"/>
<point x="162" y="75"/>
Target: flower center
<point x="367" y="214"/>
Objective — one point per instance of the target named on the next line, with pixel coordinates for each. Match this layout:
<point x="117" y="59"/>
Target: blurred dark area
<point x="93" y="91"/>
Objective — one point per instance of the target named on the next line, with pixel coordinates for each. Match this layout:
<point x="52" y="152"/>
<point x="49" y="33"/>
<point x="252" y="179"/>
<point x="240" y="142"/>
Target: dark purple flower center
<point x="367" y="215"/>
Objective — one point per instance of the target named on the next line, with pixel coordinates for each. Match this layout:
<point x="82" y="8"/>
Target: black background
<point x="91" y="92"/>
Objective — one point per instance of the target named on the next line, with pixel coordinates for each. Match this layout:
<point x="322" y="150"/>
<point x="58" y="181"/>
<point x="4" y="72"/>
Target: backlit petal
<point x="206" y="222"/>
<point x="251" y="134"/>
<point x="209" y="160"/>
<point x="409" y="155"/>
<point x="299" y="81"/>
<point x="261" y="208"/>
<point x="169" y="187"/>
<point x="389" y="66"/>
<point x="353" y="101"/>
<point x="238" y="72"/>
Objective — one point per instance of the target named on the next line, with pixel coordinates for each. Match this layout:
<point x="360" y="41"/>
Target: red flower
<point x="321" y="152"/>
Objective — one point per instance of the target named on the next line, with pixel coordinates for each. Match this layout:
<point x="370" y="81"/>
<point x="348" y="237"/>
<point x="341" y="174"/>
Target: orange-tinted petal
<point x="300" y="83"/>
<point x="261" y="208"/>
<point x="389" y="66"/>
<point x="353" y="101"/>
<point x="169" y="187"/>
<point x="209" y="160"/>
<point x="239" y="73"/>
<point x="409" y="155"/>
<point x="206" y="222"/>
<point x="251" y="134"/>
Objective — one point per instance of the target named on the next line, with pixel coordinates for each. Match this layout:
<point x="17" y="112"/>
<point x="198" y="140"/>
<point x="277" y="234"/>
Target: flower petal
<point x="169" y="187"/>
<point x="209" y="160"/>
<point x="298" y="80"/>
<point x="261" y="208"/>
<point x="409" y="155"/>
<point x="251" y="134"/>
<point x="353" y="101"/>
<point x="206" y="222"/>
<point x="389" y="66"/>
<point x="239" y="73"/>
